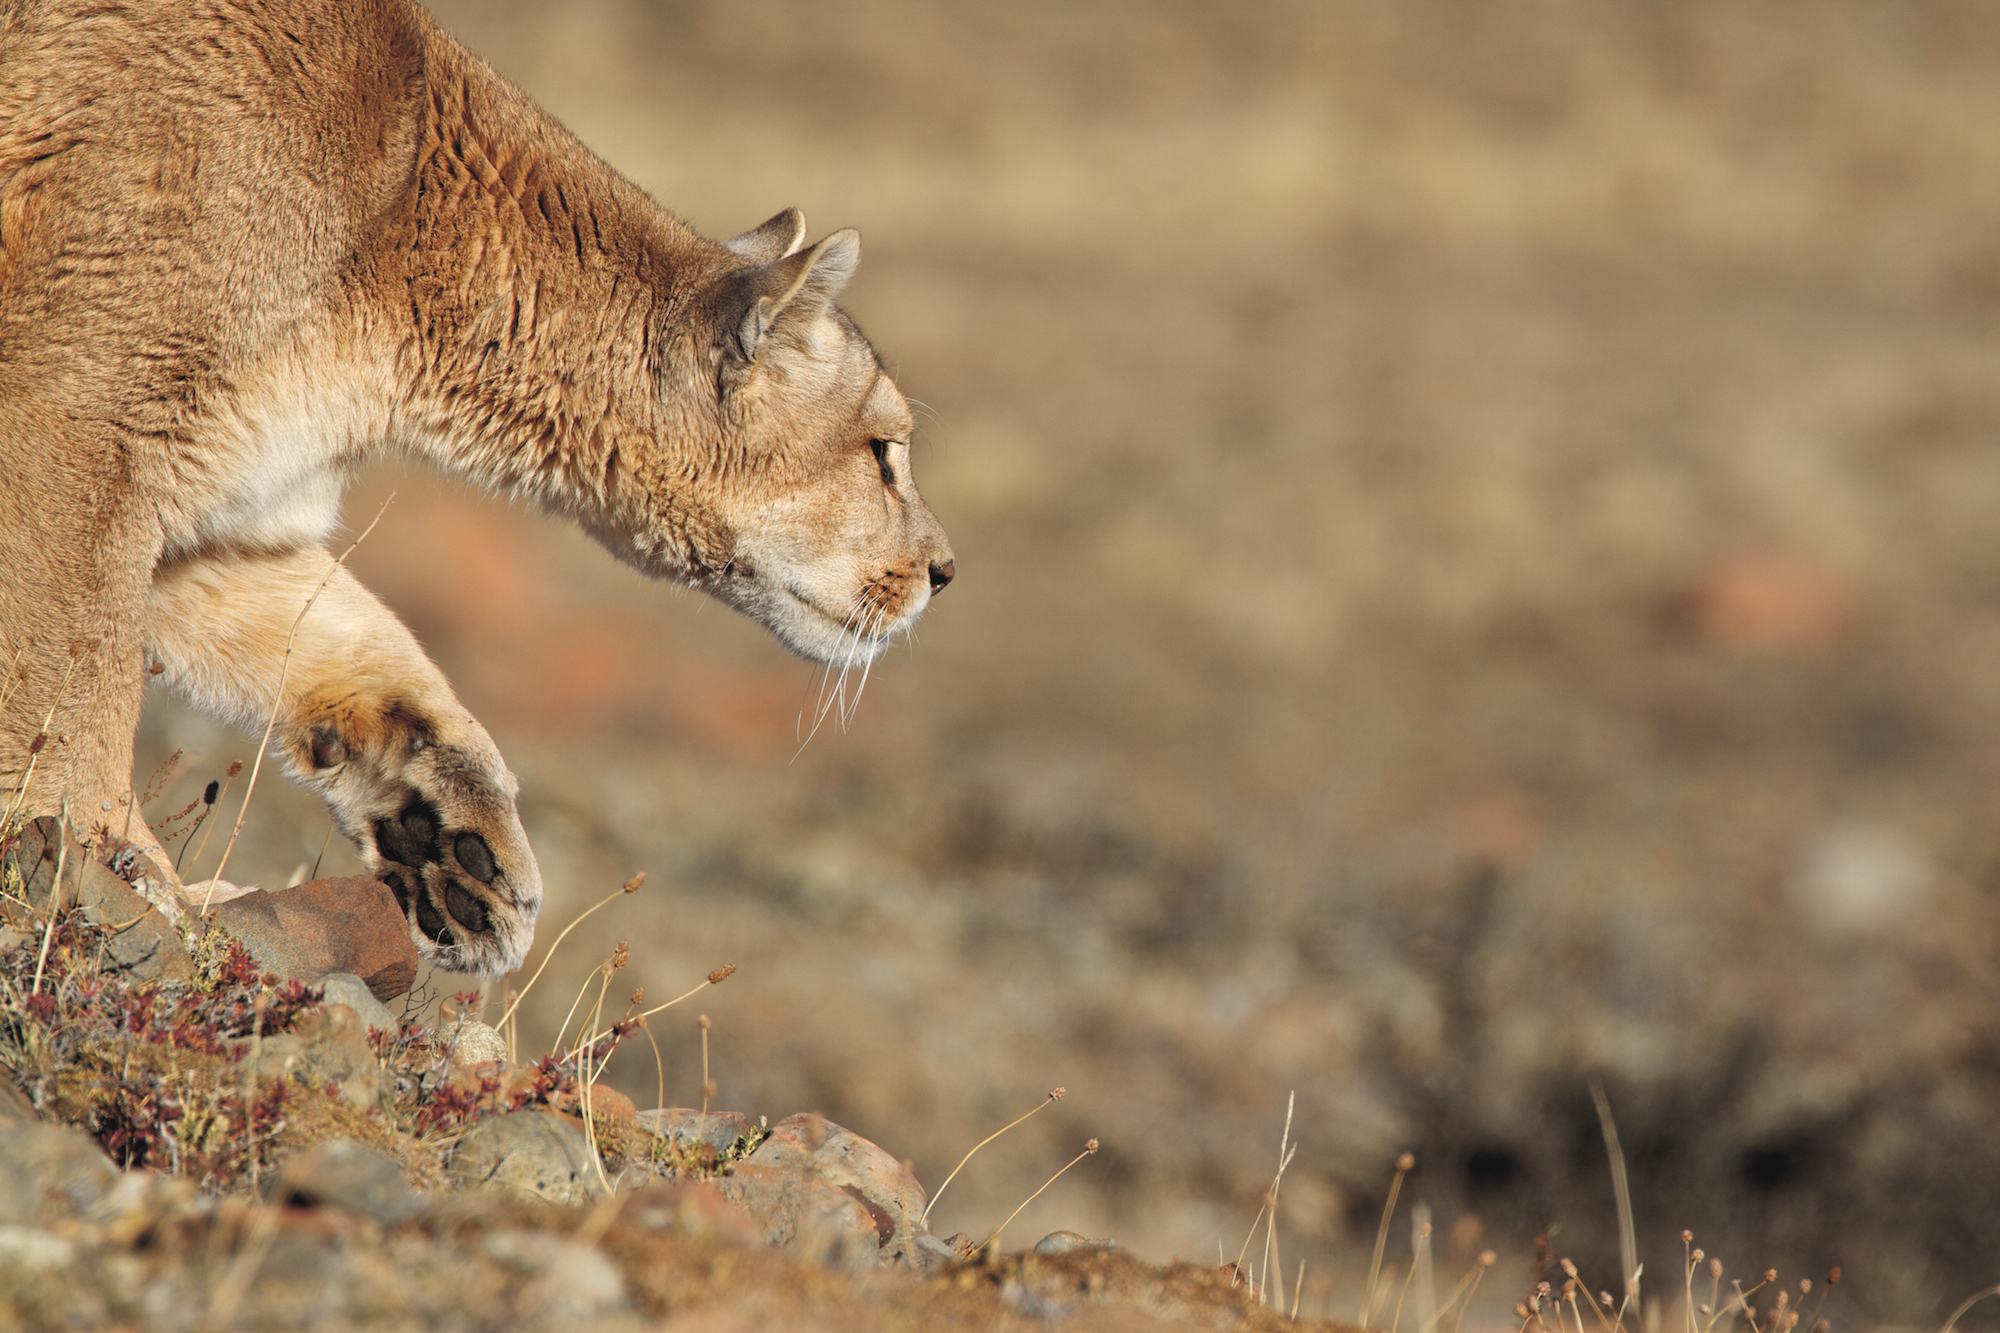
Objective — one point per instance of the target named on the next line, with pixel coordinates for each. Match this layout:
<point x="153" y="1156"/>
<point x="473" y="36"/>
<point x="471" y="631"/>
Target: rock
<point x="797" y="1211"/>
<point x="1062" y="1242"/>
<point x="474" y="1043"/>
<point x="813" y="1144"/>
<point x="529" y="1155"/>
<point x="350" y="990"/>
<point x="570" y="1279"/>
<point x="342" y="1174"/>
<point x="49" y="1174"/>
<point x="15" y="1108"/>
<point x="607" y="1101"/>
<point x="327" y="925"/>
<point x="146" y="945"/>
<point x="692" y="1208"/>
<point x="720" y="1130"/>
<point x="930" y="1252"/>
<point x="329" y="1048"/>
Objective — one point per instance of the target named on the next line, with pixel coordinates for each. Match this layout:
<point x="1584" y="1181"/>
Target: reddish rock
<point x="798" y="1211"/>
<point x="327" y="925"/>
<point x="811" y="1144"/>
<point x="604" y="1101"/>
<point x="691" y="1208"/>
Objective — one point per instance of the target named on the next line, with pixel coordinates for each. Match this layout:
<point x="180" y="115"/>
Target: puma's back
<point x="224" y="161"/>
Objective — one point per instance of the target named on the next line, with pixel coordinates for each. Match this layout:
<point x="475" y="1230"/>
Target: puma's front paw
<point x="430" y="805"/>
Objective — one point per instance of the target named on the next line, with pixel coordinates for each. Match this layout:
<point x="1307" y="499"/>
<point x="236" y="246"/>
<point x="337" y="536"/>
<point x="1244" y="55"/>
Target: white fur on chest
<point x="274" y="467"/>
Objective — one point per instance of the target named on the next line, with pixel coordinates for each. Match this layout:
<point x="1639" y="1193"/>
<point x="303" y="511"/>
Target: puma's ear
<point x="779" y="237"/>
<point x="799" y="284"/>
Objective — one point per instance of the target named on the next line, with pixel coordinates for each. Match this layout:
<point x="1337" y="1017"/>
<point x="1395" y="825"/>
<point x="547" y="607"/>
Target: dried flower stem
<point x="1967" y="1304"/>
<point x="1055" y="1095"/>
<point x="630" y="886"/>
<point x="1088" y="1148"/>
<point x="715" y="978"/>
<point x="1404" y="1165"/>
<point x="706" y="1083"/>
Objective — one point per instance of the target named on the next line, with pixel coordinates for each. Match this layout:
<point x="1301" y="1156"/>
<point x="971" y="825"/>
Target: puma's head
<point x="817" y="527"/>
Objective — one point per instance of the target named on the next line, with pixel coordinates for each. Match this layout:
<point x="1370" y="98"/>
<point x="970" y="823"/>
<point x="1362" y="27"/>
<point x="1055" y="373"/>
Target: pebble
<point x="1063" y="1242"/>
<point x="475" y="1043"/>
<point x="329" y="1048"/>
<point x="348" y="989"/>
<point x="49" y="1174"/>
<point x="799" y="1212"/>
<point x="342" y="1174"/>
<point x="571" y="1279"/>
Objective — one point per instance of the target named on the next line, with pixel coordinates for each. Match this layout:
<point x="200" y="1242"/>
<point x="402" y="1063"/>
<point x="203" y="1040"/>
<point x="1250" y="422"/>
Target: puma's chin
<point x="810" y="630"/>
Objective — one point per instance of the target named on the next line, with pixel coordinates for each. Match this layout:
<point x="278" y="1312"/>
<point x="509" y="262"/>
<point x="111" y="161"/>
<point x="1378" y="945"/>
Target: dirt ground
<point x="1475" y="531"/>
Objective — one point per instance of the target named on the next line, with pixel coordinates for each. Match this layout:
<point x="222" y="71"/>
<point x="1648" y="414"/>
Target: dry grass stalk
<point x="1425" y="1313"/>
<point x="1967" y="1304"/>
<point x="1628" y="1244"/>
<point x="1055" y="1095"/>
<point x="993" y="1241"/>
<point x="707" y="1083"/>
<point x="284" y="671"/>
<point x="1467" y="1286"/>
<point x="1404" y="1165"/>
<point x="55" y="906"/>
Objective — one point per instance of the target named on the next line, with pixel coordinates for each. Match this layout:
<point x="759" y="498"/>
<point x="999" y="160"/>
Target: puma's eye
<point x="881" y="448"/>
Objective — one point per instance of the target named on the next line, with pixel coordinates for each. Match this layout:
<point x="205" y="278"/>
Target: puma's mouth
<point x="856" y="639"/>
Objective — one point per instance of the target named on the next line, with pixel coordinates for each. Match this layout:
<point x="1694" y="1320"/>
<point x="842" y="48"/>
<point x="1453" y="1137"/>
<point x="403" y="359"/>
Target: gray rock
<point x="348" y="989"/>
<point x="145" y="945"/>
<point x="529" y="1155"/>
<point x="1062" y="1242"/>
<point x="679" y="1125"/>
<point x="342" y="1174"/>
<point x="570" y="1279"/>
<point x="325" y="1049"/>
<point x="49" y="1173"/>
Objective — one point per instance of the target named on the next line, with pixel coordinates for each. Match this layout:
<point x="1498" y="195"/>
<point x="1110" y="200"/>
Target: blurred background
<point x="1477" y="571"/>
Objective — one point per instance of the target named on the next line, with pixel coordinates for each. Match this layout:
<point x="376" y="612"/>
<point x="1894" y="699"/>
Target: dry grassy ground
<point x="1475" y="531"/>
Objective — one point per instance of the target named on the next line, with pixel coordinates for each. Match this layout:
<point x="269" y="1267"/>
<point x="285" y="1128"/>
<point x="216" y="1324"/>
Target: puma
<point x="244" y="247"/>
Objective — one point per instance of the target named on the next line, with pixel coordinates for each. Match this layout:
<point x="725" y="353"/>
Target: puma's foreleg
<point x="368" y="721"/>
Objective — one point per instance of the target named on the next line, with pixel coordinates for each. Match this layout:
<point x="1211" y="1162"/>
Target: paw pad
<point x="421" y="880"/>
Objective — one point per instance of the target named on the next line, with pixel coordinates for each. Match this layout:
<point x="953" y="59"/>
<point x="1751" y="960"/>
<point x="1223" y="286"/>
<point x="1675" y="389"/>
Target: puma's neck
<point x="535" y="284"/>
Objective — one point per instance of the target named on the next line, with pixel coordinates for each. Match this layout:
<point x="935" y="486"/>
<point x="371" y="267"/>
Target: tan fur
<point x="244" y="246"/>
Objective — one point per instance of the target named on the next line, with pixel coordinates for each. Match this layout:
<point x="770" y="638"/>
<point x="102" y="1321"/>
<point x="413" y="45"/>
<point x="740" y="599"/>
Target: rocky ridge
<point x="229" y="1125"/>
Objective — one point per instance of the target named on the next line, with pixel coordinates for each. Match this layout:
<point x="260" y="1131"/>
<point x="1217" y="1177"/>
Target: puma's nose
<point x="941" y="575"/>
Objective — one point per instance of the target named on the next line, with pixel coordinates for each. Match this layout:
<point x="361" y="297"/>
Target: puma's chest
<point x="266" y="470"/>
